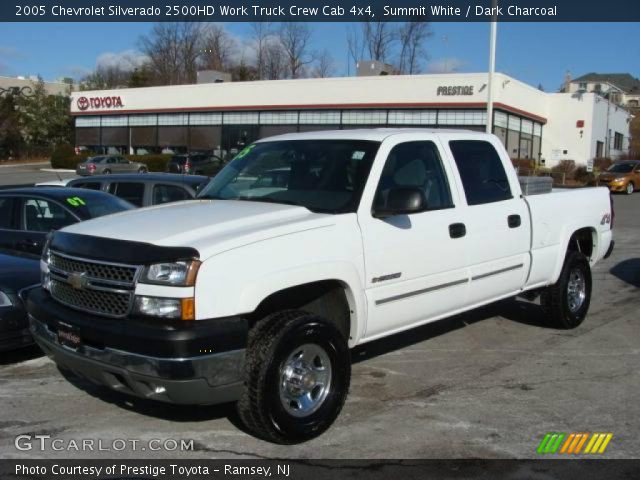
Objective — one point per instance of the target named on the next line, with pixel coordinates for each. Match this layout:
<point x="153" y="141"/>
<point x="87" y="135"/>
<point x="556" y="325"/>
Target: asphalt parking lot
<point x="29" y="173"/>
<point x="488" y="384"/>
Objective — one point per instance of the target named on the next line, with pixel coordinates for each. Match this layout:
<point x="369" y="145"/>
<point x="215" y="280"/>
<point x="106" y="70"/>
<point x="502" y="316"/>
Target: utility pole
<point x="492" y="67"/>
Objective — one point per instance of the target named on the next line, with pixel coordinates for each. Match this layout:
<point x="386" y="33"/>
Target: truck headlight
<point x="5" y="301"/>
<point x="181" y="274"/>
<point x="175" y="308"/>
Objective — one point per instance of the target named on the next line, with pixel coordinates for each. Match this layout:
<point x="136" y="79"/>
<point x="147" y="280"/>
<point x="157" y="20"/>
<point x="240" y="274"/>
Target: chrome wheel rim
<point x="576" y="290"/>
<point x="305" y="380"/>
<point x="629" y="188"/>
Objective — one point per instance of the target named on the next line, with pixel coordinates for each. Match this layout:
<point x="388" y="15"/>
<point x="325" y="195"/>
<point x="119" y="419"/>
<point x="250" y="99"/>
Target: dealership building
<point x="223" y="117"/>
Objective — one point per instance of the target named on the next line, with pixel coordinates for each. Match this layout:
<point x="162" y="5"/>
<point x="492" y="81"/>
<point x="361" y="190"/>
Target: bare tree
<point x="412" y="36"/>
<point x="105" y="78"/>
<point x="324" y="65"/>
<point x="295" y="38"/>
<point x="173" y="50"/>
<point x="378" y="39"/>
<point x="355" y="45"/>
<point x="218" y="48"/>
<point x="260" y="34"/>
<point x="275" y="61"/>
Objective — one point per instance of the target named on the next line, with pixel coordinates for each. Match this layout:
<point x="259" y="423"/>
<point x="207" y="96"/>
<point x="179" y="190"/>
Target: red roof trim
<point x="324" y="106"/>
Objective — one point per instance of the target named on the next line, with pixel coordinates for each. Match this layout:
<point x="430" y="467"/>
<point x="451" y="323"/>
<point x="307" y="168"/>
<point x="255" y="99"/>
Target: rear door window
<point x="6" y="213"/>
<point x="169" y="193"/>
<point x="132" y="192"/>
<point x="483" y="176"/>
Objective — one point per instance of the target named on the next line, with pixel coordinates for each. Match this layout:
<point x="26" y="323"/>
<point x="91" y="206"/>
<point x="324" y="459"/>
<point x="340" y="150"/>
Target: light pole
<point x="492" y="66"/>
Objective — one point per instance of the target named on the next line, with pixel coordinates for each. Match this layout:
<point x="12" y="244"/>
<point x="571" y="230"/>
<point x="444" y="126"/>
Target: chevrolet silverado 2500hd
<point x="256" y="291"/>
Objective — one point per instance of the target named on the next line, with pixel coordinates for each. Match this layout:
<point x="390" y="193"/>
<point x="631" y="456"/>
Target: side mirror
<point x="401" y="201"/>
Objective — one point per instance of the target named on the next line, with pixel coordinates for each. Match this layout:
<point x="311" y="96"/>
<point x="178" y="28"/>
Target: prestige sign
<point x="455" y="90"/>
<point x="97" y="103"/>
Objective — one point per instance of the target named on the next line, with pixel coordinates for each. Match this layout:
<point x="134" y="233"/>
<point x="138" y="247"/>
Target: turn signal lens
<point x="188" y="309"/>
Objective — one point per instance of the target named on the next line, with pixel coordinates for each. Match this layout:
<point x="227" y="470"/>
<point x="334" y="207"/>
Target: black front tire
<point x="106" y="172"/>
<point x="563" y="303"/>
<point x="272" y="341"/>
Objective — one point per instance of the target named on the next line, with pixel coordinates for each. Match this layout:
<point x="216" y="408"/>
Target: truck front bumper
<point x="205" y="379"/>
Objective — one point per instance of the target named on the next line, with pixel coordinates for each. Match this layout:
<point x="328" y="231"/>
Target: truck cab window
<point x="129" y="191"/>
<point x="483" y="176"/>
<point x="415" y="165"/>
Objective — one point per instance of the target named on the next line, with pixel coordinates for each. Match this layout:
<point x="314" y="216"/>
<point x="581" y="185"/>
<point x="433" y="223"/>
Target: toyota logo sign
<point x="83" y="103"/>
<point x="97" y="103"/>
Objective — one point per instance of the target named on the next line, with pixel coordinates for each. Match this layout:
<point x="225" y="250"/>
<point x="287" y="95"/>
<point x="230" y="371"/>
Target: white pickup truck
<point x="303" y="247"/>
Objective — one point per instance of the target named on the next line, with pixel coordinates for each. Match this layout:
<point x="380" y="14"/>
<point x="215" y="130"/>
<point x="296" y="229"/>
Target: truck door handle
<point x="514" y="221"/>
<point x="457" y="230"/>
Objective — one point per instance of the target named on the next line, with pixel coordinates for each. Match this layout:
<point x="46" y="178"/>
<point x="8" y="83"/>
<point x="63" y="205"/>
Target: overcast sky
<point x="537" y="53"/>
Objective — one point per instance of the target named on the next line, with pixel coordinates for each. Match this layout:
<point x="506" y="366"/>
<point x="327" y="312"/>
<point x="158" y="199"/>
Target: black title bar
<point x="318" y="11"/>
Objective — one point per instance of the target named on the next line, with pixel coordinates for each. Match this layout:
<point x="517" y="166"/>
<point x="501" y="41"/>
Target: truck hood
<point x="209" y="226"/>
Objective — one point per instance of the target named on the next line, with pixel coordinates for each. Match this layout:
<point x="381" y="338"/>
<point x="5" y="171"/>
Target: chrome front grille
<point x="101" y="271"/>
<point x="94" y="301"/>
<point x="91" y="286"/>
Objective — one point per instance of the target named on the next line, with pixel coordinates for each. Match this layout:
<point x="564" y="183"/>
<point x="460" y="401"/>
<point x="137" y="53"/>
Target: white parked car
<point x="256" y="295"/>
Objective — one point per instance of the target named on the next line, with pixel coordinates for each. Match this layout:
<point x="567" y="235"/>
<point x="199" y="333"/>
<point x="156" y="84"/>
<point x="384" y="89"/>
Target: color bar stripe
<point x="574" y="443"/>
<point x="606" y="441"/>
<point x="594" y="437"/>
<point x="582" y="440"/>
<point x="596" y="446"/>
<point x="567" y="443"/>
<point x="557" y="443"/>
<point x="543" y="443"/>
<point x="550" y="443"/>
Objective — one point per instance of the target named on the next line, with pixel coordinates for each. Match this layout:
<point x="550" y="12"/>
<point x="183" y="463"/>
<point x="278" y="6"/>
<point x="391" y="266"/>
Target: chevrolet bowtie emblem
<point x="78" y="280"/>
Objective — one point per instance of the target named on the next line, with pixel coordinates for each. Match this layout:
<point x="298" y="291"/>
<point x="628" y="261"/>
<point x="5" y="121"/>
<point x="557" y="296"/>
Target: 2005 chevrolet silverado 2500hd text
<point x="256" y="291"/>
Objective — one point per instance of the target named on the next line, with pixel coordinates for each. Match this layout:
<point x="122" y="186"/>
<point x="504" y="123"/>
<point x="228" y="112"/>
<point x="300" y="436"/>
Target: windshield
<point x="621" y="168"/>
<point x="322" y="175"/>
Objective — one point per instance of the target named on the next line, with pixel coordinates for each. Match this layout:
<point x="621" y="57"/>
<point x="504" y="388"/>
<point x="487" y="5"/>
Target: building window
<point x="633" y="103"/>
<point x="597" y="87"/>
<point x="88" y="122"/>
<point x="599" y="148"/>
<point x="173" y="119"/>
<point x="462" y="117"/>
<point x="617" y="141"/>
<point x="320" y="118"/>
<point x="500" y="119"/>
<point x="537" y="130"/>
<point x="582" y="86"/>
<point x="412" y="117"/>
<point x="240" y="118"/>
<point x="527" y="126"/>
<point x="205" y="119"/>
<point x="364" y="117"/>
<point x="143" y="120"/>
<point x="514" y="123"/>
<point x="116" y="121"/>
<point x="278" y="118"/>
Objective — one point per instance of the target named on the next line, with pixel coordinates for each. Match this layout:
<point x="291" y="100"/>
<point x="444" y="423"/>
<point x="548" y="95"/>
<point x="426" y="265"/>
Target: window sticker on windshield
<point x="357" y="155"/>
<point x="76" y="202"/>
<point x="245" y="151"/>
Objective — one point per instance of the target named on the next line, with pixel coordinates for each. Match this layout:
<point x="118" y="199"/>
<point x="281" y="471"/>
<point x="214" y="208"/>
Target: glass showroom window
<point x="205" y="119"/>
<point x="240" y="118"/>
<point x="88" y="122"/>
<point x="173" y="119"/>
<point x="278" y="118"/>
<point x="412" y="117"/>
<point x="364" y="117"/>
<point x="115" y="121"/>
<point x="143" y="120"/>
<point x="320" y="118"/>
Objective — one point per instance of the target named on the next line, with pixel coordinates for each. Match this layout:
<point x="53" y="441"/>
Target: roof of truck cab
<point x="370" y="134"/>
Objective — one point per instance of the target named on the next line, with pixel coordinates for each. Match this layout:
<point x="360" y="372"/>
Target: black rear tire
<point x="106" y="172"/>
<point x="566" y="302"/>
<point x="272" y="343"/>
